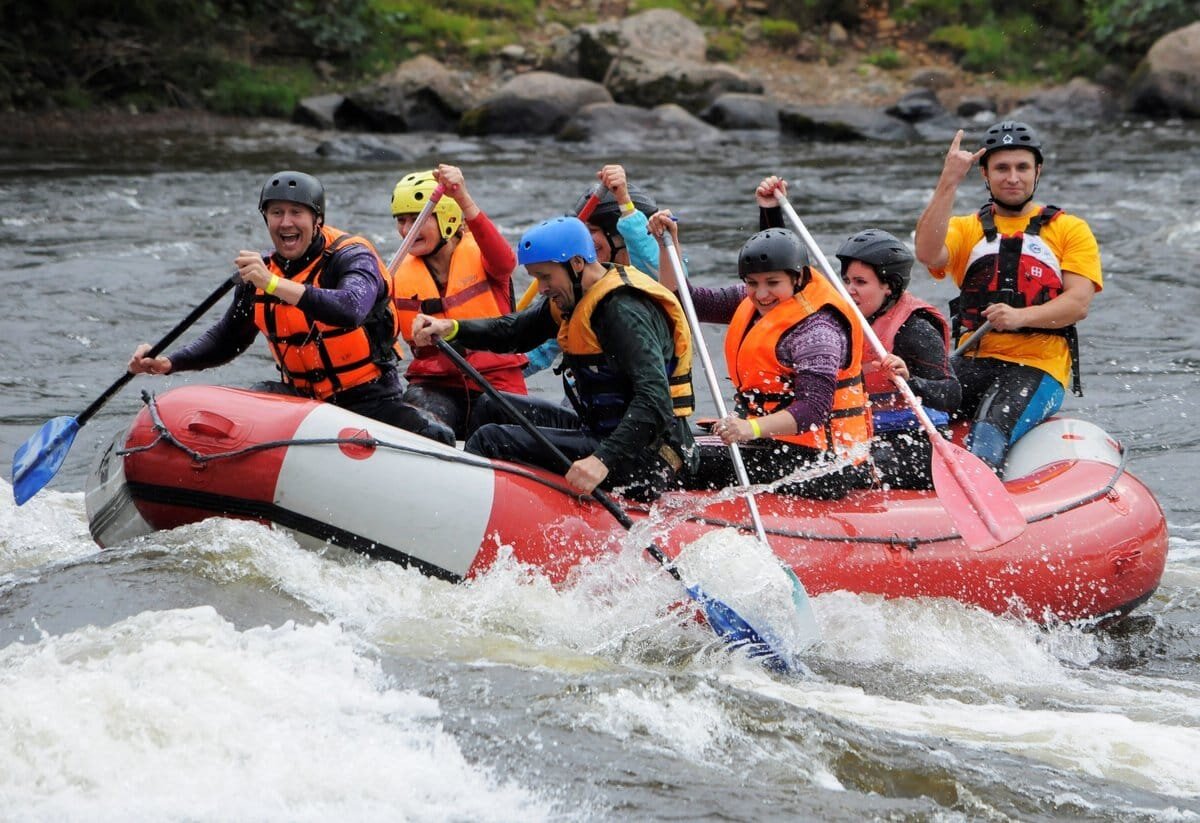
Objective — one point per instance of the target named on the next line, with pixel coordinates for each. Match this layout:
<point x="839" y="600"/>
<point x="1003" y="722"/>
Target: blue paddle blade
<point x="739" y="634"/>
<point x="38" y="459"/>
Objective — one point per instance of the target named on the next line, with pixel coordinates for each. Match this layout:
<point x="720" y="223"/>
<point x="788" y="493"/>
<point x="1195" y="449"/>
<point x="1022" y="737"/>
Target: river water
<point x="220" y="672"/>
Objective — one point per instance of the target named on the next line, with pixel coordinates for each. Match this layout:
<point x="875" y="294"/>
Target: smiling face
<point x="292" y="227"/>
<point x="554" y="283"/>
<point x="1011" y="176"/>
<point x="866" y="289"/>
<point x="604" y="248"/>
<point x="427" y="238"/>
<point x="769" y="289"/>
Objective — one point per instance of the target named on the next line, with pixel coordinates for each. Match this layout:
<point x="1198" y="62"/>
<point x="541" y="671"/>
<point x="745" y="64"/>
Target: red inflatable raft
<point x="1094" y="548"/>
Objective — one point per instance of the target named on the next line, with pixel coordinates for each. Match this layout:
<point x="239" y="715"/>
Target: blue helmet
<point x="556" y="240"/>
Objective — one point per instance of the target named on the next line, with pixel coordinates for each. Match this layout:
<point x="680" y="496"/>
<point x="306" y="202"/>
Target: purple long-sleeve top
<point x="350" y="286"/>
<point x="815" y="349"/>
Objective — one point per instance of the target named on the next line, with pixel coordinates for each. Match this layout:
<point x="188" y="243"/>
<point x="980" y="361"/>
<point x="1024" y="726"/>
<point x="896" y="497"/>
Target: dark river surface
<point x="220" y="672"/>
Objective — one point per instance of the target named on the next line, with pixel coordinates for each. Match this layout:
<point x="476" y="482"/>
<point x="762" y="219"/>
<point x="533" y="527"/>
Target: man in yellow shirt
<point x="1027" y="269"/>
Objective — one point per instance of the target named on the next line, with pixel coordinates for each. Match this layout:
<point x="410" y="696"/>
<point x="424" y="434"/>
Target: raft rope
<point x="165" y="435"/>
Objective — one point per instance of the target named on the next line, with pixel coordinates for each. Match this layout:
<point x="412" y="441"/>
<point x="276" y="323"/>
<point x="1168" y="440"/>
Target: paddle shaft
<point x="939" y="443"/>
<point x="593" y="200"/>
<point x="710" y="373"/>
<point x="415" y="229"/>
<point x="515" y="414"/>
<point x="158" y="347"/>
<point x="972" y="341"/>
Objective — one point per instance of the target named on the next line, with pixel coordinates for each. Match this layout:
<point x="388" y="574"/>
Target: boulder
<point x="743" y="111"/>
<point x="973" y="106"/>
<point x="537" y="102"/>
<point x="844" y="124"/>
<point x="1167" y="82"/>
<point x="1079" y="101"/>
<point x="624" y="126"/>
<point x="596" y="46"/>
<point x="917" y="105"/>
<point x="648" y="80"/>
<point x="421" y="94"/>
<point x="319" y="112"/>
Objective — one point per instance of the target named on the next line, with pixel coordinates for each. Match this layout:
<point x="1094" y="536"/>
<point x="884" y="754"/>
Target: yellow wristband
<point x="453" y="332"/>
<point x="628" y="208"/>
<point x="272" y="284"/>
<point x="755" y="428"/>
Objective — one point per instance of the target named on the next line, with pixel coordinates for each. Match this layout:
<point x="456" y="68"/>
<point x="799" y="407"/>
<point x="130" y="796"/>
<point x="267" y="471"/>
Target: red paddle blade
<point x="975" y="498"/>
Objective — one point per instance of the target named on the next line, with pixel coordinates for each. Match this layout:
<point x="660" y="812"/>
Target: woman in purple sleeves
<point x="794" y="352"/>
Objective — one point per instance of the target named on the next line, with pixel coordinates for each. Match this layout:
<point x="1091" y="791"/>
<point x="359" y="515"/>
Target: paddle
<point x="972" y="341"/>
<point x="972" y="494"/>
<point x="39" y="458"/>
<point x="726" y="622"/>
<point x="415" y="229"/>
<point x="799" y="595"/>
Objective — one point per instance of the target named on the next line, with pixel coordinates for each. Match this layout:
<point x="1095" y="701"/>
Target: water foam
<point x="176" y="712"/>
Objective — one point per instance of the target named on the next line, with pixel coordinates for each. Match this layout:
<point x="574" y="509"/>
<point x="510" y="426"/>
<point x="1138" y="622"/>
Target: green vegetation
<point x="781" y="33"/>
<point x="259" y="56"/>
<point x="886" y="59"/>
<point x="1045" y="38"/>
<point x="725" y="46"/>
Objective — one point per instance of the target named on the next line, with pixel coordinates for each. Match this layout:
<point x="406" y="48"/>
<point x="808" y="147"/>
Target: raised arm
<point x="930" y="241"/>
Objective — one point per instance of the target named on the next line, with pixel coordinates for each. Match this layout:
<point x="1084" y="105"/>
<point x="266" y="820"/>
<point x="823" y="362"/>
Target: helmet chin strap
<point x="576" y="278"/>
<point x="613" y="248"/>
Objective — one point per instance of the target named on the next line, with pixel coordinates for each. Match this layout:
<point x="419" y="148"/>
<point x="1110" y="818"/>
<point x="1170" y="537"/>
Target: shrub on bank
<point x="259" y="56"/>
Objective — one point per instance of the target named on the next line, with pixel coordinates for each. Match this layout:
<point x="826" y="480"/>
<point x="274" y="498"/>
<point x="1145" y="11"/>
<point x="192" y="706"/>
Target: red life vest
<point x="764" y="385"/>
<point x="468" y="295"/>
<point x="882" y="390"/>
<point x="1018" y="269"/>
<point x="319" y="359"/>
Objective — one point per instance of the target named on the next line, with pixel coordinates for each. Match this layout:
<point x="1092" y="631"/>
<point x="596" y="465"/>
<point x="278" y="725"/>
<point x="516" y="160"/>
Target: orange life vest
<point x="468" y="295"/>
<point x="599" y="393"/>
<point x="764" y="385"/>
<point x="319" y="359"/>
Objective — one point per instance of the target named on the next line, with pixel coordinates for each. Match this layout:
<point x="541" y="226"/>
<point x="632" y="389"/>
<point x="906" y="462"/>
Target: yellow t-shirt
<point x="1075" y="247"/>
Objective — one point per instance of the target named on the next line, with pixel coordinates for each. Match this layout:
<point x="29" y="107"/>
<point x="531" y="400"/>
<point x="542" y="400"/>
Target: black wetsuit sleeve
<point x="770" y="217"/>
<point x="510" y="333"/>
<point x="224" y="340"/>
<point x="919" y="343"/>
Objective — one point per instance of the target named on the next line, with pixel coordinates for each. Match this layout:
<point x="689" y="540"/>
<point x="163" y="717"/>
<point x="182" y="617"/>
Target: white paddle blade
<point x="745" y="575"/>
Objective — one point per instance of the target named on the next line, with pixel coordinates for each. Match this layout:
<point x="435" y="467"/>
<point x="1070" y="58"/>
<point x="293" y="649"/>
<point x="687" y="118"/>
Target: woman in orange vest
<point x="458" y="268"/>
<point x="794" y="353"/>
<point x="876" y="268"/>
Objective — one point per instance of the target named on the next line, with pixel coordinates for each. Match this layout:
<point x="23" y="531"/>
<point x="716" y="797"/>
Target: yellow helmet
<point x="412" y="193"/>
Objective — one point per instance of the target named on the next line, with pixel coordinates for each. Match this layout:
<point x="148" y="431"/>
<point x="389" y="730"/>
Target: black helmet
<point x="1010" y="134"/>
<point x="891" y="259"/>
<point x="772" y="250"/>
<point x="608" y="212"/>
<point x="295" y="187"/>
